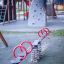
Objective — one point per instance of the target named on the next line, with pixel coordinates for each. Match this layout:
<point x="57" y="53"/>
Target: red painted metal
<point x="43" y="30"/>
<point x="30" y="44"/>
<point x="21" y="49"/>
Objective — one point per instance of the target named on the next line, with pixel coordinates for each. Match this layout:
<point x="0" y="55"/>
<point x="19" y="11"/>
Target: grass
<point x="58" y="33"/>
<point x="54" y="33"/>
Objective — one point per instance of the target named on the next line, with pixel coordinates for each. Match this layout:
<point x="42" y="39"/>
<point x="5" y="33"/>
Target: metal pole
<point x="26" y="10"/>
<point x="21" y="4"/>
<point x="46" y="14"/>
<point x="8" y="11"/>
<point x="53" y="10"/>
<point x="18" y="11"/>
<point x="12" y="10"/>
<point x="4" y="41"/>
<point x="23" y="9"/>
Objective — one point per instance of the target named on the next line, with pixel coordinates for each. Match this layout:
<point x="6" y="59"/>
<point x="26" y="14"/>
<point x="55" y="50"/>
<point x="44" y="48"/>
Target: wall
<point x="36" y="14"/>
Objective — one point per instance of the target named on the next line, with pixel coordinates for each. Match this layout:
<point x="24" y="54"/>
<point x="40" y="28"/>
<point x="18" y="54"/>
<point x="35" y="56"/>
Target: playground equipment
<point x="22" y="8"/>
<point x="3" y="10"/>
<point x="22" y="46"/>
<point x="34" y="48"/>
<point x="3" y="39"/>
<point x="11" y="9"/>
<point x="37" y="52"/>
<point x="23" y="49"/>
<point x="37" y="16"/>
<point x="7" y="11"/>
<point x="30" y="44"/>
<point x="46" y="30"/>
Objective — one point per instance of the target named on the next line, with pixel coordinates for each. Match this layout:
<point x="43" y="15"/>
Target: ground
<point x="22" y="25"/>
<point x="19" y="31"/>
<point x="54" y="45"/>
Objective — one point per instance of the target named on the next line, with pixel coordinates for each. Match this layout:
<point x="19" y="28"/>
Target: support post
<point x="8" y="11"/>
<point x="53" y="11"/>
<point x="12" y="10"/>
<point x="23" y="8"/>
<point x="4" y="41"/>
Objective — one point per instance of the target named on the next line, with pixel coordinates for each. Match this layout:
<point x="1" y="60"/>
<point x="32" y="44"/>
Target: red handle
<point x="40" y="33"/>
<point x="44" y="30"/>
<point x="21" y="49"/>
<point x="47" y="30"/>
<point x="30" y="44"/>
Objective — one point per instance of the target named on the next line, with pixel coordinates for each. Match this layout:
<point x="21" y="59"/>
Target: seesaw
<point x="34" y="48"/>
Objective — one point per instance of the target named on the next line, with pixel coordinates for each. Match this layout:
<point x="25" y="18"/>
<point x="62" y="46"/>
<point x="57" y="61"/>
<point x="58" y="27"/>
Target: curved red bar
<point x="20" y="47"/>
<point x="40" y="33"/>
<point x="46" y="30"/>
<point x="28" y="51"/>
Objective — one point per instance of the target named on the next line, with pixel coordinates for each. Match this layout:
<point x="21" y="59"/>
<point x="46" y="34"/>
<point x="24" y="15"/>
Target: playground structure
<point x="22" y="9"/>
<point x="3" y="39"/>
<point x="38" y="14"/>
<point x="8" y="11"/>
<point x="10" y="14"/>
<point x="35" y="49"/>
<point x="25" y="8"/>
